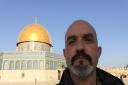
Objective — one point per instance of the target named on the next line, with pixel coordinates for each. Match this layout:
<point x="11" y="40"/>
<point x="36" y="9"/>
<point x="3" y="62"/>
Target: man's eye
<point x="71" y="42"/>
<point x="89" y="40"/>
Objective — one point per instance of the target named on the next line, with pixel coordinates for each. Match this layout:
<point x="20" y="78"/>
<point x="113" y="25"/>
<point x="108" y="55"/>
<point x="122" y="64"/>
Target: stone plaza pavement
<point x="29" y="83"/>
<point x="125" y="80"/>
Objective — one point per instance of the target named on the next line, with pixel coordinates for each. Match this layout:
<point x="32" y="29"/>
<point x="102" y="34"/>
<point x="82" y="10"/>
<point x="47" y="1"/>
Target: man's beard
<point x="81" y="70"/>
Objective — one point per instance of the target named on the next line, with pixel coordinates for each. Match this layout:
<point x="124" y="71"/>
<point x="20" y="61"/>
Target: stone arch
<point x="17" y="64"/>
<point x="6" y="65"/>
<point x="29" y="64"/>
<point x="35" y="64"/>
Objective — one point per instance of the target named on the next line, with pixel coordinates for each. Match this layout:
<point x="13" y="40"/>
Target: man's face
<point x="81" y="49"/>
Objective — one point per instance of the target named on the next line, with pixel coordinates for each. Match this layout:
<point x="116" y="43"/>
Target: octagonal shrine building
<point x="33" y="60"/>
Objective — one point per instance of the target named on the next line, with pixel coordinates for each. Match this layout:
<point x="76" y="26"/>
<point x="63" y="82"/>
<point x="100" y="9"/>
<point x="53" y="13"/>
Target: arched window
<point x="23" y="64"/>
<point x="47" y="63"/>
<point x="11" y="66"/>
<point x="41" y="64"/>
<point x="35" y="64"/>
<point x="29" y="64"/>
<point x="6" y="65"/>
<point x="17" y="65"/>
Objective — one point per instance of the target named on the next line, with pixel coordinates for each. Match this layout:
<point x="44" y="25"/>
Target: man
<point x="82" y="54"/>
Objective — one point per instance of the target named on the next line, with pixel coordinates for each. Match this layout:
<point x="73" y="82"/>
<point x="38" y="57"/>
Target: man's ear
<point x="64" y="52"/>
<point x="99" y="51"/>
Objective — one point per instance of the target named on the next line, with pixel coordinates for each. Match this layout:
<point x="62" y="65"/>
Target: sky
<point x="108" y="17"/>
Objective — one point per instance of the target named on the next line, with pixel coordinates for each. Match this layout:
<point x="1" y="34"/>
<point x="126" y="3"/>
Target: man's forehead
<point x="80" y="28"/>
<point x="80" y="35"/>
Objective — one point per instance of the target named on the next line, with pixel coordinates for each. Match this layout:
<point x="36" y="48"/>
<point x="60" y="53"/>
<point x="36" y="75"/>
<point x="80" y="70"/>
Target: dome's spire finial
<point x="36" y="20"/>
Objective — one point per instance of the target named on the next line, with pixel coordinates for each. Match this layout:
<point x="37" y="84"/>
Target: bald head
<point x="80" y="27"/>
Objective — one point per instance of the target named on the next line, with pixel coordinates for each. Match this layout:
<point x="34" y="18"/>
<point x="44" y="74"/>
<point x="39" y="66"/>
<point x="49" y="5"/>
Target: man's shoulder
<point x="107" y="78"/>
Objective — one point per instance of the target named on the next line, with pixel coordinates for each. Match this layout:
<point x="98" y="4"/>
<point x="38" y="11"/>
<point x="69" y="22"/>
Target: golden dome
<point x="34" y="32"/>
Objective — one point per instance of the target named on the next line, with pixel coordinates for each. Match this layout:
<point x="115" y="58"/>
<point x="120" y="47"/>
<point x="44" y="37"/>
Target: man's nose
<point x="80" y="45"/>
